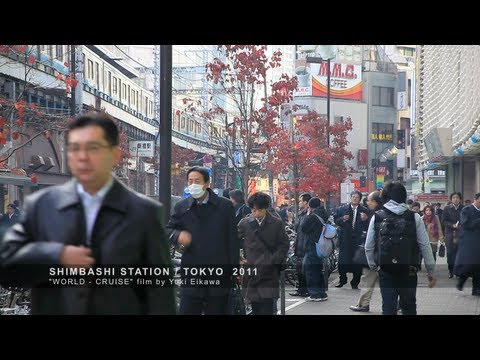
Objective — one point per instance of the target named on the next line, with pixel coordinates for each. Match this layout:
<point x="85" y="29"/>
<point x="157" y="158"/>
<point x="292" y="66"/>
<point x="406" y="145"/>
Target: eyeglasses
<point x="90" y="148"/>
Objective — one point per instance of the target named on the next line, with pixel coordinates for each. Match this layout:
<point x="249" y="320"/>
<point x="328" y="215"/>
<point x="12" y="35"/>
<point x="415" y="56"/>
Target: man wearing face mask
<point x="203" y="227"/>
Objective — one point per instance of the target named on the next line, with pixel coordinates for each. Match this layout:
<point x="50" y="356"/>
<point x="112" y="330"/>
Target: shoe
<point x="476" y="293"/>
<point x="450" y="275"/>
<point x="296" y="293"/>
<point x="340" y="284"/>
<point x="317" y="299"/>
<point x="355" y="287"/>
<point x="460" y="284"/>
<point x="360" y="308"/>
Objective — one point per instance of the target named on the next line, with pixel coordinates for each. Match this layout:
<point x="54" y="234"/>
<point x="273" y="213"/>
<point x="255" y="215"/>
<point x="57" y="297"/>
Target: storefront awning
<point x="13" y="179"/>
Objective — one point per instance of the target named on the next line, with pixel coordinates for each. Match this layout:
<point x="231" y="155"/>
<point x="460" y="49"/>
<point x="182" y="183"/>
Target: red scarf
<point x="432" y="219"/>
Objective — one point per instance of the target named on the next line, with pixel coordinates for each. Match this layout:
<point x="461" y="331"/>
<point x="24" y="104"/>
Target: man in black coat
<point x="92" y="222"/>
<point x="467" y="262"/>
<point x="300" y="245"/>
<point x="451" y="222"/>
<point x="353" y="221"/>
<point x="203" y="227"/>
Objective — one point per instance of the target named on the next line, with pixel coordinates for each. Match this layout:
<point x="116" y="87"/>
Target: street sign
<point x="346" y="188"/>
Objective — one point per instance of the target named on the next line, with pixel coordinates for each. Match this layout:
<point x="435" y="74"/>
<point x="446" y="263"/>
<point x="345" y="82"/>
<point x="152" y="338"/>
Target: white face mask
<point x="196" y="190"/>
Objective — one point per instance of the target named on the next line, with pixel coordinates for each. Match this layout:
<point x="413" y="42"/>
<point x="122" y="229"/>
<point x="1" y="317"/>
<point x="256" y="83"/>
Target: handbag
<point x="360" y="258"/>
<point x="441" y="250"/>
<point x="236" y="303"/>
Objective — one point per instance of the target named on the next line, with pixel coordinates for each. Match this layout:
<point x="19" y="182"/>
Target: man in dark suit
<point x="90" y="222"/>
<point x="353" y="221"/>
<point x="202" y="227"/>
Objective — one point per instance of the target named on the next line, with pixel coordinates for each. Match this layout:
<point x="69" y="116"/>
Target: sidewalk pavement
<point x="443" y="299"/>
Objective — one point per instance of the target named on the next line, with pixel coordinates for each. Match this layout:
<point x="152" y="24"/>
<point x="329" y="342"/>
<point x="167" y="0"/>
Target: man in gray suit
<point x="91" y="222"/>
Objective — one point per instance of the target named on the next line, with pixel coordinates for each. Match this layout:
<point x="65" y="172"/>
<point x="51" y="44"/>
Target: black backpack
<point x="398" y="250"/>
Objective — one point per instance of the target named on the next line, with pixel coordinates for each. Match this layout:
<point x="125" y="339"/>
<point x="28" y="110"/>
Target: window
<point x="190" y="125"/>
<point x="97" y="74"/>
<point x="198" y="128"/>
<point x="124" y="91"/>
<point x="406" y="51"/>
<point x="109" y="83"/>
<point x="337" y="119"/>
<point x="90" y="70"/>
<point x="115" y="89"/>
<point x="382" y="132"/>
<point x="133" y="97"/>
<point x="146" y="106"/>
<point x="182" y="122"/>
<point x="59" y="52"/>
<point x="382" y="96"/>
<point x="409" y="92"/>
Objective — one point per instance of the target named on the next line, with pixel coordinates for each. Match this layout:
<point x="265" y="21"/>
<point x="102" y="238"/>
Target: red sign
<point x="362" y="157"/>
<point x="440" y="197"/>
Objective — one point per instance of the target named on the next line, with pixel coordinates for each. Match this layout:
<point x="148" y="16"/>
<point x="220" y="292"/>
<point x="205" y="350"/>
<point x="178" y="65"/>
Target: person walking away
<point x="312" y="227"/>
<point x="398" y="235"/>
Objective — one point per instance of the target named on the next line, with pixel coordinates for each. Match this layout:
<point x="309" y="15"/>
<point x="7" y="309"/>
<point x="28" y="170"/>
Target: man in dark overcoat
<point x="467" y="262"/>
<point x="353" y="221"/>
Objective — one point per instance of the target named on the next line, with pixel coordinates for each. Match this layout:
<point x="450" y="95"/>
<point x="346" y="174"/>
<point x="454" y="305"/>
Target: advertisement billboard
<point x="345" y="80"/>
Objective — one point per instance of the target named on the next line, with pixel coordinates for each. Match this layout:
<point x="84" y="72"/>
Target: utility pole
<point x="73" y="62"/>
<point x="165" y="154"/>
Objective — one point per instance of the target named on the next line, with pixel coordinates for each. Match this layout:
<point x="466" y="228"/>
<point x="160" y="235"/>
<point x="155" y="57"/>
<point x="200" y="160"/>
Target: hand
<point x="184" y="238"/>
<point x="432" y="281"/>
<point x="243" y="261"/>
<point x="363" y="216"/>
<point x="77" y="256"/>
<point x="346" y="217"/>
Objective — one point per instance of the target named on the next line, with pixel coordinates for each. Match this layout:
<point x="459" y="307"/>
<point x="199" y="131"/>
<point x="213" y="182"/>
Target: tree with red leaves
<point x="316" y="167"/>
<point x="20" y="121"/>
<point x="241" y="72"/>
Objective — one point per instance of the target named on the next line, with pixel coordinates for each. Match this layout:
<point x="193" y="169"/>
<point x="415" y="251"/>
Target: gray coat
<point x="264" y="257"/>
<point x="128" y="231"/>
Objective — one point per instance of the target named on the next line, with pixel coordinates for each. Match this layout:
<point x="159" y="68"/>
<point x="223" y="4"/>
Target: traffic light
<point x="363" y="181"/>
<point x="401" y="139"/>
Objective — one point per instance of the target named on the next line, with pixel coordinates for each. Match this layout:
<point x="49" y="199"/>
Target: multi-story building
<point x="448" y="114"/>
<point x="363" y="83"/>
<point x="41" y="77"/>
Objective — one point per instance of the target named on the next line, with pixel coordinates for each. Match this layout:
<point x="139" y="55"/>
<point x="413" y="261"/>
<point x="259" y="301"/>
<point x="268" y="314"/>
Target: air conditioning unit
<point x="49" y="163"/>
<point x="37" y="162"/>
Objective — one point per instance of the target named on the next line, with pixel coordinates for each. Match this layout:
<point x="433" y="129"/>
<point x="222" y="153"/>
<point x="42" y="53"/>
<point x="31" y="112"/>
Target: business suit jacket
<point x="53" y="217"/>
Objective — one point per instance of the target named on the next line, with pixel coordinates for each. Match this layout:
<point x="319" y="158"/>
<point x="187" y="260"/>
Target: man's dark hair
<point x="101" y="119"/>
<point x="409" y="202"/>
<point x="416" y="204"/>
<point x="226" y="193"/>
<point x="456" y="193"/>
<point x="377" y="197"/>
<point x="259" y="200"/>
<point x="394" y="190"/>
<point x="476" y="196"/>
<point x="356" y="192"/>
<point x="305" y="196"/>
<point x="237" y="195"/>
<point x="201" y="170"/>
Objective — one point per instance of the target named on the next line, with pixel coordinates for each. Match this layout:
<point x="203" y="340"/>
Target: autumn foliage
<point x="317" y="167"/>
<point x="241" y="71"/>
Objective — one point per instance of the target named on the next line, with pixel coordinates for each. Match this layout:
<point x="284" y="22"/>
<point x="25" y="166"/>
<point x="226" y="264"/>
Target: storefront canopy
<point x="13" y="179"/>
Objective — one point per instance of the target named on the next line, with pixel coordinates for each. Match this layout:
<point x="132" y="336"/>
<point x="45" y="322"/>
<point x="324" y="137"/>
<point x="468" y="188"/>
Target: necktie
<point x="354" y="218"/>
